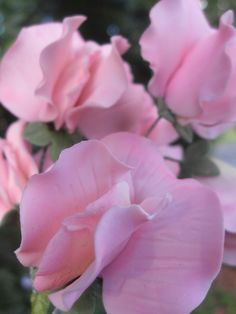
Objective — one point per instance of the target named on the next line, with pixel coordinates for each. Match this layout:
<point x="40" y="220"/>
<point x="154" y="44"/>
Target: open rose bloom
<point x="112" y="209"/>
<point x="194" y="64"/>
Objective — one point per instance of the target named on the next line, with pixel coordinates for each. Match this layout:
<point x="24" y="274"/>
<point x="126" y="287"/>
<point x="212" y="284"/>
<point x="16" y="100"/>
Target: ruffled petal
<point x="170" y="262"/>
<point x="67" y="188"/>
<point x="120" y="222"/>
<point x="74" y="242"/>
<point x="176" y="25"/>
<point x="151" y="176"/>
<point x="202" y="78"/>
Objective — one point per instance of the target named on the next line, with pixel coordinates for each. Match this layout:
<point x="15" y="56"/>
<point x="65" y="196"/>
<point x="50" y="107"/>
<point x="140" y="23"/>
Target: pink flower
<point x="111" y="208"/>
<point x="224" y="186"/>
<point x="16" y="166"/>
<point x="51" y="73"/>
<point x="194" y="64"/>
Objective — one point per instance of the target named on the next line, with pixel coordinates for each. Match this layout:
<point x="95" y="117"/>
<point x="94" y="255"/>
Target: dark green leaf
<point x="37" y="134"/>
<point x="202" y="167"/>
<point x="60" y="141"/>
<point x="89" y="303"/>
<point x="197" y="149"/>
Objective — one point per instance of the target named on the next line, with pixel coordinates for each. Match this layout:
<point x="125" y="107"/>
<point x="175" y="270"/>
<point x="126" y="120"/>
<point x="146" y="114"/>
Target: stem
<point x="42" y="159"/>
<point x="152" y="127"/>
<point x="172" y="159"/>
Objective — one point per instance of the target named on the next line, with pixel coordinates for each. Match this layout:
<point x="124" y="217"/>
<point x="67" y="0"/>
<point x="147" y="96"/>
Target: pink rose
<point x="51" y="73"/>
<point x="224" y="186"/>
<point x="16" y="166"/>
<point x="112" y="209"/>
<point x="194" y="64"/>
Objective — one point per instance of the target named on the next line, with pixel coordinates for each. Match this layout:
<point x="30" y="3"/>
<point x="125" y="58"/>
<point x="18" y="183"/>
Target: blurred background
<point x="105" y="18"/>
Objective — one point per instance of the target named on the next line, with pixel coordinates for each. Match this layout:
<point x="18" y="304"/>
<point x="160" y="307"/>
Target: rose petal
<point x="75" y="241"/>
<point x="169" y="263"/>
<point x="121" y="222"/>
<point x="175" y="27"/>
<point x="230" y="249"/>
<point x="65" y="189"/>
<point x="202" y="78"/>
<point x="151" y="177"/>
<point x="225" y="188"/>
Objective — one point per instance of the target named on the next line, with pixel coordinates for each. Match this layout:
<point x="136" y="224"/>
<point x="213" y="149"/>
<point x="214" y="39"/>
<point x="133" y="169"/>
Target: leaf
<point x="60" y="140"/>
<point x="40" y="303"/>
<point x="89" y="303"/>
<point x="202" y="167"/>
<point x="37" y="134"/>
<point x="41" y="135"/>
<point x="197" y="149"/>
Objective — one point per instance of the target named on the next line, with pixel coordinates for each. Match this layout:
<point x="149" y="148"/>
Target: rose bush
<point x="111" y="208"/>
<point x="16" y="166"/>
<point x="194" y="65"/>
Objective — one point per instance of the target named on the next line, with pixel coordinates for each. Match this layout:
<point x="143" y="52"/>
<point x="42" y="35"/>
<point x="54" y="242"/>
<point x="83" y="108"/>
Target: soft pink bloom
<point x="51" y="73"/>
<point x="224" y="186"/>
<point x="16" y="166"/>
<point x="112" y="208"/>
<point x="194" y="64"/>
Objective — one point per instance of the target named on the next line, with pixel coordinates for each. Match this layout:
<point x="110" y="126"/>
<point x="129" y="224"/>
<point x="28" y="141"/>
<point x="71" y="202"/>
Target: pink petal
<point x="23" y="153"/>
<point x="121" y="222"/>
<point x="230" y="249"/>
<point x="169" y="263"/>
<point x="101" y="91"/>
<point x="164" y="133"/>
<point x="175" y="152"/>
<point x="176" y="25"/>
<point x="132" y="112"/>
<point x="20" y="71"/>
<point x="150" y="174"/>
<point x="65" y="189"/>
<point x="74" y="242"/>
<point x="202" y="78"/>
<point x="225" y="188"/>
<point x="55" y="60"/>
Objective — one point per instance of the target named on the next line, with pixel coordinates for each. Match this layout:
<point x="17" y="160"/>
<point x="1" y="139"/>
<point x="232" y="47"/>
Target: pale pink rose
<point x="194" y="64"/>
<point x="224" y="186"/>
<point x="16" y="166"/>
<point x="51" y="73"/>
<point x="112" y="209"/>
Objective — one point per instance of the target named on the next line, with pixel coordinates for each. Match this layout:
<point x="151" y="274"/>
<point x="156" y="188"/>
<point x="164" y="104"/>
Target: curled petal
<point x="169" y="263"/>
<point x="66" y="189"/>
<point x="121" y="222"/>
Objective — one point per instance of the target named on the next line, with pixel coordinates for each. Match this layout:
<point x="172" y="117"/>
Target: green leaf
<point x="41" y="135"/>
<point x="89" y="303"/>
<point x="60" y="140"/>
<point x="202" y="167"/>
<point x="197" y="149"/>
<point x="37" y="134"/>
<point x="40" y="303"/>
